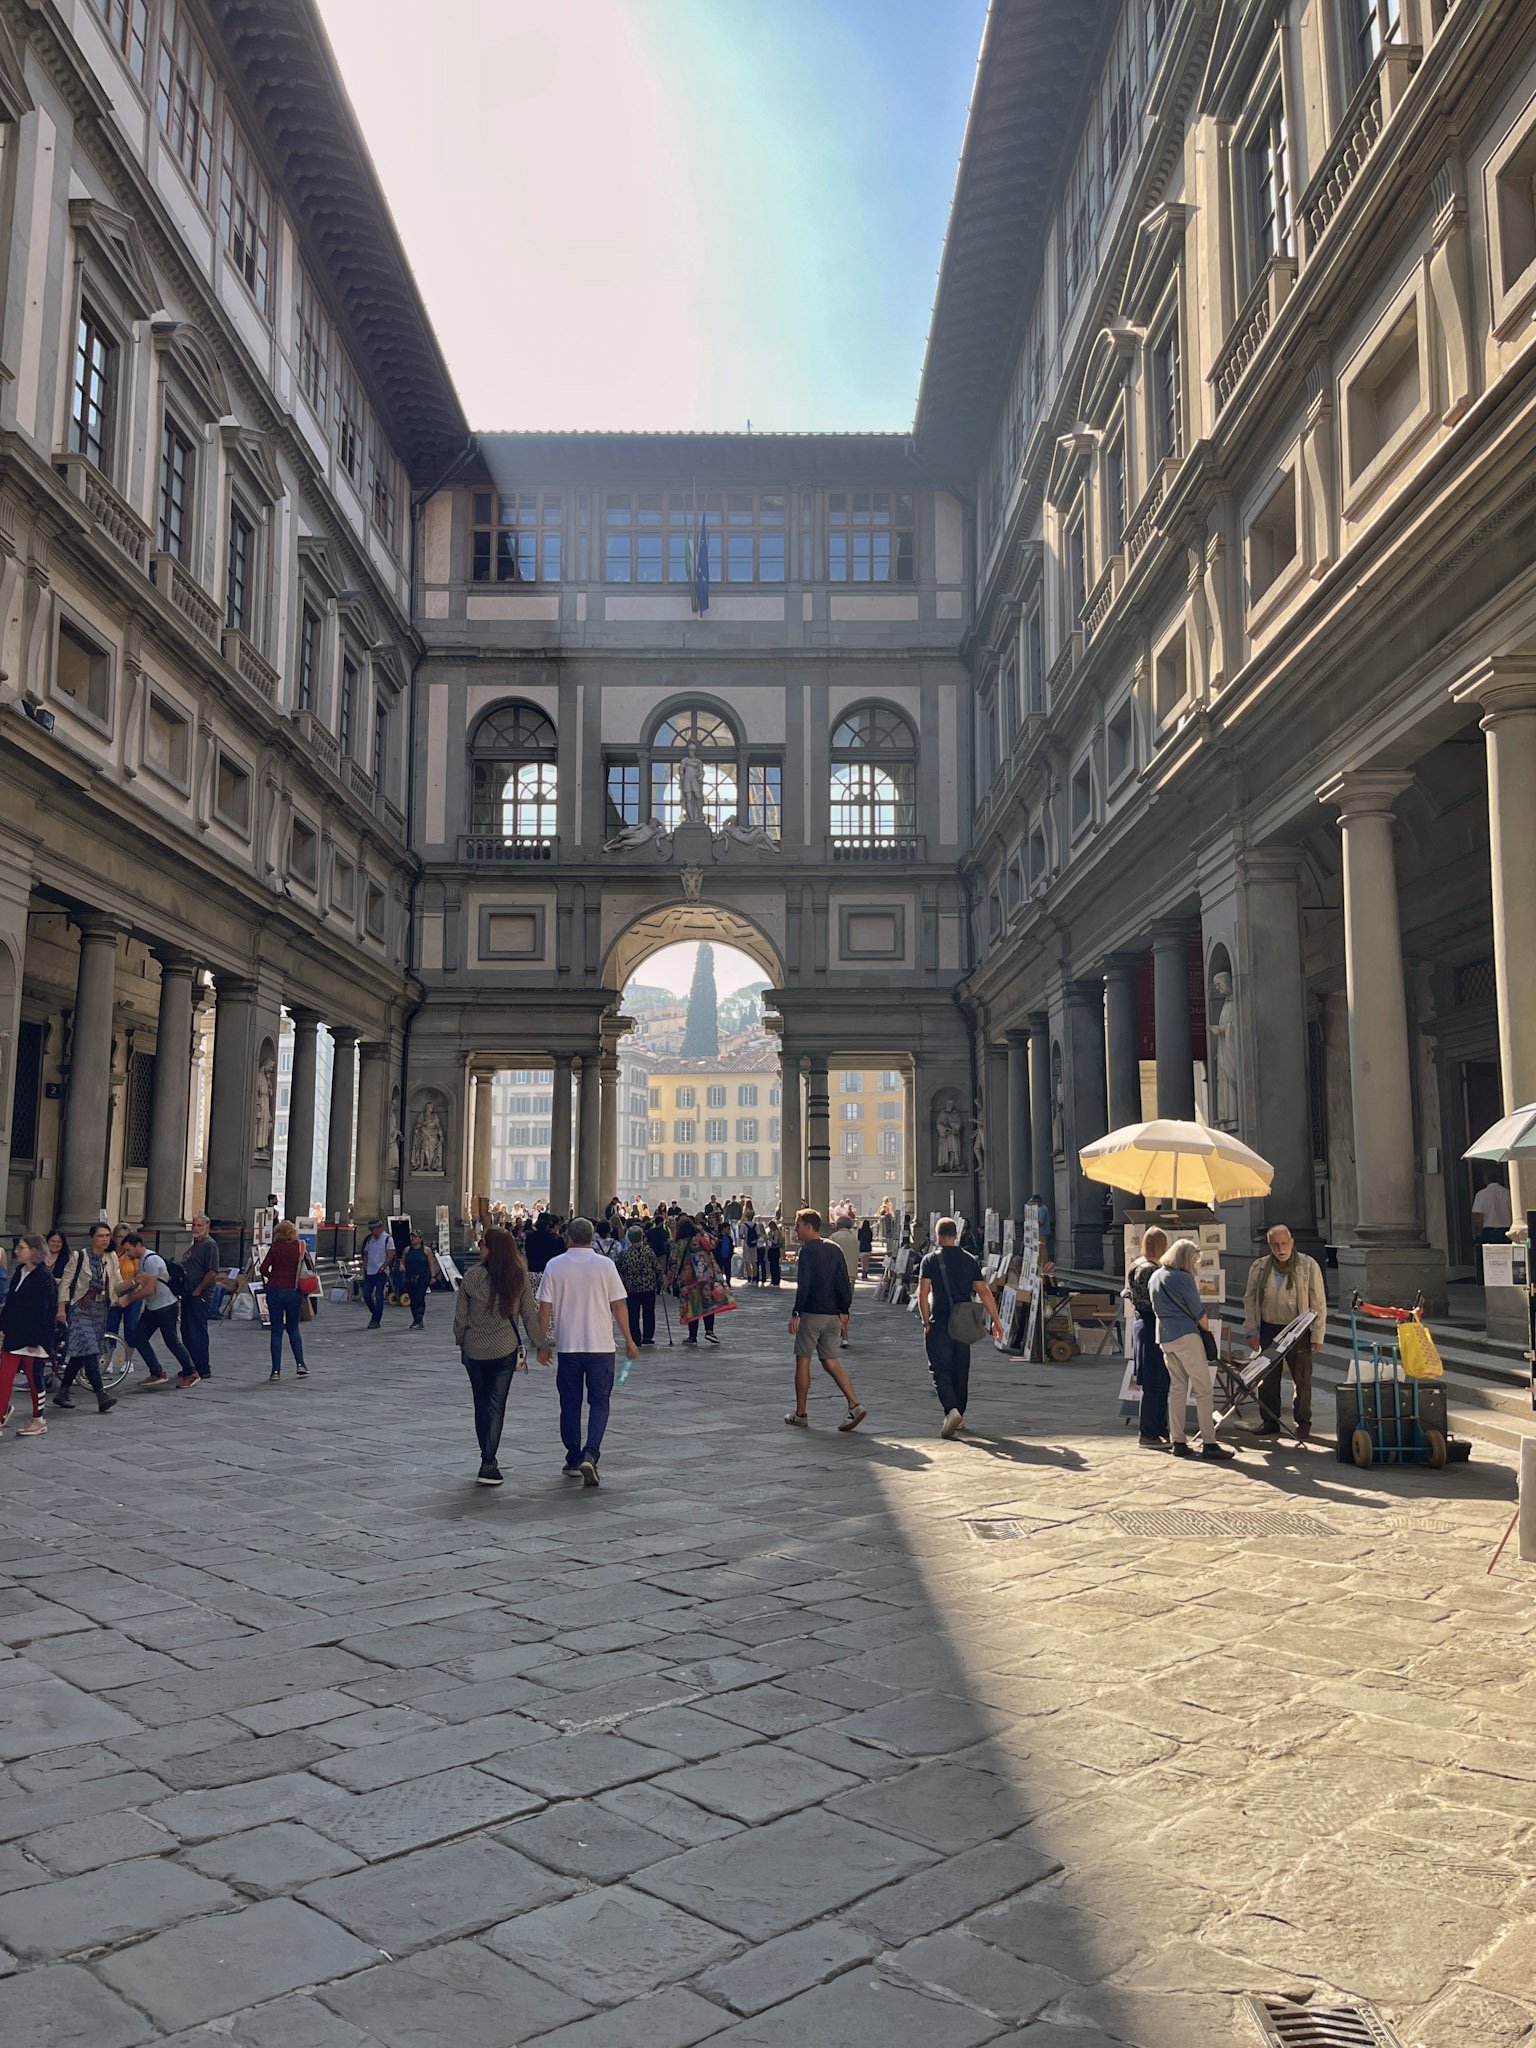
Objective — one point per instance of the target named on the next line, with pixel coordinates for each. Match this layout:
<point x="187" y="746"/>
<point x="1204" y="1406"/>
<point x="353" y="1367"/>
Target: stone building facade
<point x="1163" y="706"/>
<point x="1238" y="365"/>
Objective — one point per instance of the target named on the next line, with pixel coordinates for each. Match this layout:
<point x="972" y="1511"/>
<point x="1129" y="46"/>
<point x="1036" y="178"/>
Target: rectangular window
<point x="623" y="795"/>
<point x="1119" y="99"/>
<point x="245" y="214"/>
<point x="1120" y="743"/>
<point x="27" y="1090"/>
<point x="746" y="1130"/>
<point x="871" y="537"/>
<point x="373" y="911"/>
<point x="890" y="1144"/>
<point x="765" y="804"/>
<point x="715" y="1130"/>
<point x="232" y="794"/>
<point x="1267" y="169"/>
<point x="686" y="1098"/>
<point x="851" y="1112"/>
<point x="240" y="577"/>
<point x="746" y="1095"/>
<point x="311" y="345"/>
<point x="714" y="1166"/>
<point x="93" y="395"/>
<point x="684" y="1130"/>
<point x="380" y="744"/>
<point x="175" y="535"/>
<point x="515" y="537"/>
<point x="167" y="741"/>
<point x="349" y="420"/>
<point x="888" y="1112"/>
<point x="1034" y="664"/>
<point x="82" y="672"/>
<point x="309" y="658"/>
<point x="1114" y="498"/>
<point x="383" y="484"/>
<point x="746" y="1166"/>
<point x="1077" y="215"/>
<point x="185" y="99"/>
<point x="1372" y="25"/>
<point x="853" y="1144"/>
<point x="346" y="709"/>
<point x="344" y="886"/>
<point x="127" y="22"/>
<point x="714" y="1097"/>
<point x="303" y="852"/>
<point x="1076" y="576"/>
<point x="1167" y="400"/>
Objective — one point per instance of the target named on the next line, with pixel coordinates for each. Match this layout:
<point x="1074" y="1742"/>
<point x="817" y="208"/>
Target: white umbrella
<point x="1512" y="1137"/>
<point x="1169" y="1160"/>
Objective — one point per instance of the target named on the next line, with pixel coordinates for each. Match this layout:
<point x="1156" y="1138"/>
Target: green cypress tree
<point x="701" y="1036"/>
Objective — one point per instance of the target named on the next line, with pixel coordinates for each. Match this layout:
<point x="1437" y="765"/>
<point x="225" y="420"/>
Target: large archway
<point x="676" y="922"/>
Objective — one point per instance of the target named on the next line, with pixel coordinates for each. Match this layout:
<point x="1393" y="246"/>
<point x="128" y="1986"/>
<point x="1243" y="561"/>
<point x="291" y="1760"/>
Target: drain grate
<point x="1212" y="1526"/>
<point x="998" y="1529"/>
<point x="1283" y="2025"/>
<point x="1420" y="1525"/>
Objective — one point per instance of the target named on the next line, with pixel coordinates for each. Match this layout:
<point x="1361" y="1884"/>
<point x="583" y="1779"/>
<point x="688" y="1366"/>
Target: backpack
<point x="175" y="1277"/>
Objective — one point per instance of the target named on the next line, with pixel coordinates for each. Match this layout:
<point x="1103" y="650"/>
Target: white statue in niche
<point x="1221" y="1050"/>
<point x="427" y="1142"/>
<point x="266" y="1090"/>
<point x="690" y="786"/>
<point x="949" y="1128"/>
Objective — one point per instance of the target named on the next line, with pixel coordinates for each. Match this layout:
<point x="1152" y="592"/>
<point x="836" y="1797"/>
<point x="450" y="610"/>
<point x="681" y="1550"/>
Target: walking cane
<point x="666" y="1318"/>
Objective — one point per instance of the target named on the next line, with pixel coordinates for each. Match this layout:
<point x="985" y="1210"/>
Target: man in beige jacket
<point x="1282" y="1285"/>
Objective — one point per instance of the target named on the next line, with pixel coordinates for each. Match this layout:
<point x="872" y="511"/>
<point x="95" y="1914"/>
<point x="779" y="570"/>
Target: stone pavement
<point x="778" y="1738"/>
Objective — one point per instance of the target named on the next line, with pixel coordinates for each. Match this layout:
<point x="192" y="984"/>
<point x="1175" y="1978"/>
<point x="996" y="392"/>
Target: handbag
<point x="1212" y="1354"/>
<point x="309" y="1279"/>
<point x="967" y="1322"/>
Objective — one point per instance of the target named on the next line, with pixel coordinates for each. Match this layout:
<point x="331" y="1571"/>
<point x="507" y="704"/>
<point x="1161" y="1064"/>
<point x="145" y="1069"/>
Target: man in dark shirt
<point x="823" y="1297"/>
<point x="200" y="1277"/>
<point x="947" y="1277"/>
<point x="544" y="1241"/>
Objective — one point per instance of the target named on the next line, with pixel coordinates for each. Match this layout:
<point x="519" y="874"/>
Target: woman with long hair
<point x="285" y="1301"/>
<point x="495" y="1297"/>
<point x="26" y="1329"/>
<point x="694" y="1275"/>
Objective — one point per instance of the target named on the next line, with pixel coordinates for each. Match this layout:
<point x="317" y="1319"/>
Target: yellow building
<point x="714" y="1127"/>
<point x="868" y="1122"/>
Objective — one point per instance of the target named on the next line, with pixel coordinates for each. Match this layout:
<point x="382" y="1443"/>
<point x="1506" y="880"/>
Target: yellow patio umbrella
<point x="1168" y="1160"/>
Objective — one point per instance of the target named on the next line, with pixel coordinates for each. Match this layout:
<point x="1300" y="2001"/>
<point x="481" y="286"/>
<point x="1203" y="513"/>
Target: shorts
<point x="819" y="1337"/>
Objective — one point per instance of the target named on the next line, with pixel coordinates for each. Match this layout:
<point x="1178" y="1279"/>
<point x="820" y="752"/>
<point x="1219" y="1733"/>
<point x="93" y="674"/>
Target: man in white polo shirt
<point x="581" y="1297"/>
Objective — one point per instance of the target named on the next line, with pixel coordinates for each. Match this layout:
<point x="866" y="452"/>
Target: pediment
<point x="253" y="451"/>
<point x="119" y="247"/>
<point x="15" y="98"/>
<point x="321" y="565"/>
<point x="1155" y="251"/>
<point x="1244" y="28"/>
<point x="1104" y="375"/>
<point x="1073" y="450"/>
<point x="191" y="353"/>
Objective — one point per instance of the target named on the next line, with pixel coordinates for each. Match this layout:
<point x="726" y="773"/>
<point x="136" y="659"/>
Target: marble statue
<point x="1221" y="1051"/>
<point x="690" y="786"/>
<point x="633" y="838"/>
<point x="266" y="1085"/>
<point x="1058" y="1109"/>
<point x="949" y="1128"/>
<point x="427" y="1142"/>
<point x="733" y="834"/>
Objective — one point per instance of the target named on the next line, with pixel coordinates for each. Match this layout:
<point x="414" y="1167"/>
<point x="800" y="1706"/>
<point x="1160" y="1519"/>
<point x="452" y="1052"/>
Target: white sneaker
<point x="953" y="1423"/>
<point x="36" y="1427"/>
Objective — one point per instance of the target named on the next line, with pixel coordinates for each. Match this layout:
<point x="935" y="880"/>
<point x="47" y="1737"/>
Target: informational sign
<point x="261" y="1234"/>
<point x="448" y="1269"/>
<point x="1505" y="1265"/>
<point x="444" y="1237"/>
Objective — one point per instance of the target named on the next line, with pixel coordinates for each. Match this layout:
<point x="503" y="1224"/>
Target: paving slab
<point x="583" y="1839"/>
<point x="427" y="1809"/>
<point x="66" y="2007"/>
<point x="612" y="1945"/>
<point x="268" y="1860"/>
<point x="107" y="1905"/>
<point x="435" y="1895"/>
<point x="865" y="2009"/>
<point x="206" y="1968"/>
<point x="459" y="1993"/>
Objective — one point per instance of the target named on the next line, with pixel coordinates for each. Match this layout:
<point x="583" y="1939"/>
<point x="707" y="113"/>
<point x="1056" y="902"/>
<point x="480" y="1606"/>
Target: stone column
<point x="791" y="1140"/>
<point x="1389" y="1260"/>
<point x="1123" y="1053"/>
<point x="608" y="1128"/>
<point x="339" y="1149"/>
<point x="480" y="1144"/>
<point x="15" y="900"/>
<point x="1274" y="1087"/>
<point x="560" y="1137"/>
<point x="589" y="1202"/>
<point x="1043" y="1168"/>
<point x="1505" y="691"/>
<point x="83" y="1165"/>
<point x="372" y="1127"/>
<point x="165" y="1188"/>
<point x="1087" y="1115"/>
<point x="1175" y="1046"/>
<point x="996" y="1101"/>
<point x="299" y="1184"/>
<point x="818" y="1126"/>
<point x="1019" y="1163"/>
<point x="909" y="1155"/>
<point x="231" y="1100"/>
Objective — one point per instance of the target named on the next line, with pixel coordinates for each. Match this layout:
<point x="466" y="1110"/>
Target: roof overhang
<point x="1035" y="60"/>
<point x="291" y="82"/>
<point x="737" y="458"/>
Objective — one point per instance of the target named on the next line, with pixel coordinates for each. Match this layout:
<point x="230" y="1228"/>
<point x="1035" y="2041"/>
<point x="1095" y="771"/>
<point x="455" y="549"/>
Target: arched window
<point x="874" y="781"/>
<point x="514" y="776"/>
<point x="733" y="785"/>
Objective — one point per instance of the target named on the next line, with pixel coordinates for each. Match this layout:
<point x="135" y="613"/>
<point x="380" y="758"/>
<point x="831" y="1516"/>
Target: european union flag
<point x="701" y="569"/>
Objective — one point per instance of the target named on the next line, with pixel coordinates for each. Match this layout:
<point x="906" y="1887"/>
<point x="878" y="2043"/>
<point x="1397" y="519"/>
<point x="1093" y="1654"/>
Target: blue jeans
<point x="285" y="1305"/>
<point x="373" y="1294"/>
<point x="1152" y="1375"/>
<point x="589" y="1372"/>
<point x="194" y="1332"/>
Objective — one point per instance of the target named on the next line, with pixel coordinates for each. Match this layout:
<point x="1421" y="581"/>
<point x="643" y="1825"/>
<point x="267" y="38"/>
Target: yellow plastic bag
<point x="1416" y="1349"/>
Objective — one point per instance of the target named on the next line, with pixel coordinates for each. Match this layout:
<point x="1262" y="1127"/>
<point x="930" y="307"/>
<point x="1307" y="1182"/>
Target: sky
<point x="669" y="213"/>
<point x="672" y="968"/>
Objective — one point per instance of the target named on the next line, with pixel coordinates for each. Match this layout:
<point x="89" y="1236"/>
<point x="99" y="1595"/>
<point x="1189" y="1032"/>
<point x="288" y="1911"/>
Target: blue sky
<point x="670" y="213"/>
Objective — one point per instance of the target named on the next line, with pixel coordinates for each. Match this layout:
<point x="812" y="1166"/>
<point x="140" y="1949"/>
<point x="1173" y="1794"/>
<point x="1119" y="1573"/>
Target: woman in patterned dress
<point x="91" y="1285"/>
<point x="694" y="1276"/>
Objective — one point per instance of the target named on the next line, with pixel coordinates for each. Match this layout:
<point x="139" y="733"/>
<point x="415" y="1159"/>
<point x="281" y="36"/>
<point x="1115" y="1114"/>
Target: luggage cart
<point x="1392" y="1428"/>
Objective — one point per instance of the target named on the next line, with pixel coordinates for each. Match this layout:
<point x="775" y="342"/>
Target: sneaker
<point x="62" y="1401"/>
<point x="376" y="1325"/>
<point x="490" y="1475"/>
<point x="38" y="1426"/>
<point x="1181" y="1450"/>
<point x="1151" y="1443"/>
<point x="186" y="1379"/>
<point x="953" y="1423"/>
<point x="710" y="1337"/>
<point x="1217" y="1451"/>
<point x="853" y="1418"/>
<point x="798" y="1421"/>
<point x="156" y="1380"/>
<point x="302" y="1370"/>
<point x="588" y="1470"/>
<point x="1303" y="1432"/>
<point x="106" y="1404"/>
<point x="274" y="1374"/>
<point x="570" y="1471"/>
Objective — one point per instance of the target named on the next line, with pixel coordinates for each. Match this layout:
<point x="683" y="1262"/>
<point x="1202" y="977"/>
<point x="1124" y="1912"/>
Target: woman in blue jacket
<point x="1181" y="1318"/>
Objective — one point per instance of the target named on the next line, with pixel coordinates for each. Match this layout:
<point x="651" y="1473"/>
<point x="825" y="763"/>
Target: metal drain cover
<point x="1422" y="1525"/>
<point x="1210" y="1525"/>
<point x="999" y="1529"/>
<point x="1283" y="2025"/>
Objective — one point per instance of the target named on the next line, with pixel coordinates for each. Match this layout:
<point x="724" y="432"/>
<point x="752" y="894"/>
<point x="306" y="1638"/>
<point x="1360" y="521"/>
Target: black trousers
<point x="693" y="1328"/>
<point x="90" y="1366"/>
<point x="161" y="1322"/>
<point x="642" y="1317"/>
<point x="950" y="1364"/>
<point x="1298" y="1361"/>
<point x="490" y="1378"/>
<point x="1152" y="1376"/>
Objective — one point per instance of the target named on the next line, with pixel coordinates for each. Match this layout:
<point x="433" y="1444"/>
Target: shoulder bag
<point x="967" y="1322"/>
